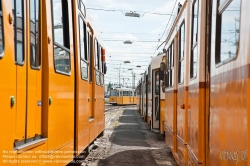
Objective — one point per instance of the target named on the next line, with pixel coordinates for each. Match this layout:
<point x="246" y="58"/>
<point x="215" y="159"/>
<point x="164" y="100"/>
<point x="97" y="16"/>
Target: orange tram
<point x="205" y="74"/>
<point x="52" y="63"/>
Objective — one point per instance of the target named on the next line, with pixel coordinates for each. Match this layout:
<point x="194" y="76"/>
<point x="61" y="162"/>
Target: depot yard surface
<point x="129" y="141"/>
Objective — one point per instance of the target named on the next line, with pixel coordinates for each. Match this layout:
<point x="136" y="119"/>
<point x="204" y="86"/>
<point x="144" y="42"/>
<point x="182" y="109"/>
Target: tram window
<point x="100" y="59"/>
<point x="149" y="71"/>
<point x="81" y="6"/>
<point x="169" y="66"/>
<point x="97" y="57"/>
<point x="126" y="93"/>
<point x="181" y="53"/>
<point x="101" y="67"/>
<point x="167" y="73"/>
<point x="35" y="56"/>
<point x="61" y="36"/>
<point x="18" y="24"/>
<point x="194" y="40"/>
<point x="228" y="24"/>
<point x="172" y="64"/>
<point x="157" y="83"/>
<point x="1" y="28"/>
<point x="83" y="41"/>
<point x="90" y="41"/>
<point x="83" y="48"/>
<point x="114" y="93"/>
<point x="149" y="79"/>
<point x="97" y="62"/>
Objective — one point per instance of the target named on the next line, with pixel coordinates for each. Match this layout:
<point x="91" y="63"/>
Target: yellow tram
<point x="53" y="63"/>
<point x="123" y="96"/>
<point x="206" y="81"/>
<point x="152" y="99"/>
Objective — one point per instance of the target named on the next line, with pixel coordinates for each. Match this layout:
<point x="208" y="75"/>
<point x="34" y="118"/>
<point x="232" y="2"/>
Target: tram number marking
<point x="236" y="155"/>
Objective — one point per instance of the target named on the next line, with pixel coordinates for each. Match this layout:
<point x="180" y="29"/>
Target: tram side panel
<point x="229" y="105"/>
<point x="181" y="91"/>
<point x="196" y="84"/>
<point x="8" y="82"/>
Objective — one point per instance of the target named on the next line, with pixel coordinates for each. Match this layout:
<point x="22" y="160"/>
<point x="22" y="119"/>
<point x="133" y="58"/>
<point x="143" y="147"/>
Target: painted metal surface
<point x="7" y="84"/>
<point x="37" y="102"/>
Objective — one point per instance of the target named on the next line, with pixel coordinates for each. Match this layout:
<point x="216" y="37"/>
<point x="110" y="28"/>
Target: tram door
<point x="28" y="70"/>
<point x="156" y="100"/>
<point x="180" y="107"/>
<point x="91" y="87"/>
<point x="97" y="88"/>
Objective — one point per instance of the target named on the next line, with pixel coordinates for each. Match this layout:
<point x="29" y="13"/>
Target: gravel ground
<point x="128" y="141"/>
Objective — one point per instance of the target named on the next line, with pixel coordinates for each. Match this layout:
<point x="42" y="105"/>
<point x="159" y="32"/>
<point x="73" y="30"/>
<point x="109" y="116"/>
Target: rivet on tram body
<point x="50" y="100"/>
<point x="49" y="40"/>
<point x="12" y="101"/>
<point x="10" y="18"/>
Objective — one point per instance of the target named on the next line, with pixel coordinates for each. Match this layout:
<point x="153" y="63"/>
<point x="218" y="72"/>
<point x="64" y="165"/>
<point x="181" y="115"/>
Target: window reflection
<point x="194" y="69"/>
<point x="58" y="22"/>
<point x="34" y="34"/>
<point x="157" y="83"/>
<point x="84" y="70"/>
<point x="97" y="74"/>
<point x="181" y="54"/>
<point x="172" y="64"/>
<point x="230" y="22"/>
<point x="62" y="62"/>
<point x="17" y="11"/>
<point x="102" y="79"/>
<point x="82" y="7"/>
<point x="61" y="36"/>
<point x="83" y="52"/>
<point x="1" y="28"/>
<point x="96" y="55"/>
<point x="114" y="93"/>
<point x="82" y="39"/>
<point x="195" y="21"/>
<point x="194" y="46"/>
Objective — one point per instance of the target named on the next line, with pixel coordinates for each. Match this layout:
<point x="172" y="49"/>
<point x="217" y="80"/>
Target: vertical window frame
<point x="39" y="36"/>
<point x="83" y="58"/>
<point x="90" y="54"/>
<point x="97" y="61"/>
<point x="172" y="63"/>
<point x="181" y="58"/>
<point x="155" y="86"/>
<point x="167" y="68"/>
<point x="80" y="5"/>
<point x="97" y="55"/>
<point x="15" y="34"/>
<point x="194" y="45"/>
<point x="101" y="66"/>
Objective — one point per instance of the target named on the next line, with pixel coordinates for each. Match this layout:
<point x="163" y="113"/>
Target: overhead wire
<point x="113" y="10"/>
<point x="166" y="26"/>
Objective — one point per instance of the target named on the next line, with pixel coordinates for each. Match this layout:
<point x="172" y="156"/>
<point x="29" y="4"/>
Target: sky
<point x="146" y="33"/>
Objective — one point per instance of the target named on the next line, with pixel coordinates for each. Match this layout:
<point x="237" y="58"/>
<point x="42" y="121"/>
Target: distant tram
<point x="151" y="95"/>
<point x="123" y="96"/>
